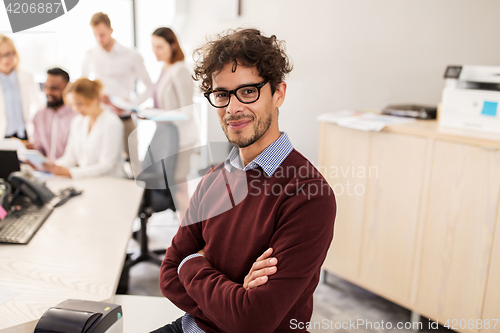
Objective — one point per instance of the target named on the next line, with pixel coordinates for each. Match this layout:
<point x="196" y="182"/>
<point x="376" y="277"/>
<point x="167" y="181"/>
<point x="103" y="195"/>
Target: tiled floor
<point x="338" y="305"/>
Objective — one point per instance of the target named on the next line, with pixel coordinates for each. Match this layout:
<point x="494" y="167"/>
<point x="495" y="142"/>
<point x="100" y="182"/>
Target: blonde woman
<point x="19" y="96"/>
<point x="95" y="142"/>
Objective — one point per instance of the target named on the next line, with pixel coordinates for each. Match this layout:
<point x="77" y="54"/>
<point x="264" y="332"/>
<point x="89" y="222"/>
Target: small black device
<point x="76" y="316"/>
<point x="452" y="72"/>
<point x="411" y="111"/>
<point x="9" y="163"/>
<point x="28" y="212"/>
<point x="5" y="194"/>
<point x="67" y="194"/>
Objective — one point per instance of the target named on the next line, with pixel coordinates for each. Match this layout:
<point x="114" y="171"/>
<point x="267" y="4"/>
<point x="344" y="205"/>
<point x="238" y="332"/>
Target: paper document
<point x="123" y="104"/>
<point x="372" y="122"/>
<point x="34" y="156"/>
<point x="364" y="121"/>
<point x="149" y="113"/>
<point x="162" y="115"/>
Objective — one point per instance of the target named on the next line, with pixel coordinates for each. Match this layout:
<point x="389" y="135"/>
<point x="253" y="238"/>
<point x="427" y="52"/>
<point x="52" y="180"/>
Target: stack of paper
<point x="162" y="115"/>
<point x="361" y="120"/>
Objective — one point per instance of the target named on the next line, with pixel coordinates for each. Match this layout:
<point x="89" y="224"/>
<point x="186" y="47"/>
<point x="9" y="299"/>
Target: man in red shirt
<point x="248" y="254"/>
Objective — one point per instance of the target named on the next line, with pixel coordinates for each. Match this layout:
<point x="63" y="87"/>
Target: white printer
<point x="471" y="98"/>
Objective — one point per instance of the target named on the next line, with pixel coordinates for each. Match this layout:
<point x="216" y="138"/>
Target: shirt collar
<point x="269" y="160"/>
<point x="114" y="49"/>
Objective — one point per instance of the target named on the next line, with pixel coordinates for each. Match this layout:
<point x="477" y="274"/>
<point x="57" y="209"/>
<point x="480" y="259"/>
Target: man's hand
<point x="28" y="145"/>
<point x="261" y="269"/>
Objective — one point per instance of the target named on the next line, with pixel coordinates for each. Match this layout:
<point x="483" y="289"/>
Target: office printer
<point x="75" y="316"/>
<point x="471" y="98"/>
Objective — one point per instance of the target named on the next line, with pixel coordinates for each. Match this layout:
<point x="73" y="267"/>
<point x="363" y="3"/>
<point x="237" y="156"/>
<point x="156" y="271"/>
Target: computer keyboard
<point x="21" y="225"/>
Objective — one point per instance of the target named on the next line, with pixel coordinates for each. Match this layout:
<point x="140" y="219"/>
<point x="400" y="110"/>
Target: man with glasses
<point x="252" y="267"/>
<point x="51" y="124"/>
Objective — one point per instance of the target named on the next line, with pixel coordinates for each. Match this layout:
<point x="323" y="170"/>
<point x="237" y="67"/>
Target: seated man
<point x="248" y="254"/>
<point x="51" y="125"/>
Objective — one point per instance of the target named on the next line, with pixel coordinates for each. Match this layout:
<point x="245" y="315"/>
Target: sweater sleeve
<point x="301" y="240"/>
<point x="188" y="240"/>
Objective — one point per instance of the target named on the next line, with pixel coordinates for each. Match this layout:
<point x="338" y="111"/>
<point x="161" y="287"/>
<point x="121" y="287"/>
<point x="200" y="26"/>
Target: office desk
<point x="77" y="253"/>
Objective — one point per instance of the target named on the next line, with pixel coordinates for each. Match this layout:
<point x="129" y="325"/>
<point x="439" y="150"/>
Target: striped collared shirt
<point x="269" y="160"/>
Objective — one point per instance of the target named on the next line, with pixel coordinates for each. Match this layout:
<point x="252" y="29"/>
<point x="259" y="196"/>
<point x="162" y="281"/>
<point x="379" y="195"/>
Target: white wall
<point x="150" y="15"/>
<point x="64" y="41"/>
<point x="347" y="54"/>
<point x="354" y="54"/>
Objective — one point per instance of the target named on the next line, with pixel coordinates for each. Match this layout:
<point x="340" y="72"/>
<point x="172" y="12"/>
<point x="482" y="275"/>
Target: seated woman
<point x="95" y="142"/>
<point x="18" y="93"/>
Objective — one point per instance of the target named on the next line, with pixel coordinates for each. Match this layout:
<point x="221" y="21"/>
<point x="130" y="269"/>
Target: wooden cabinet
<point x="426" y="231"/>
<point x="459" y="230"/>
<point x="492" y="301"/>
<point x="393" y="196"/>
<point x="342" y="151"/>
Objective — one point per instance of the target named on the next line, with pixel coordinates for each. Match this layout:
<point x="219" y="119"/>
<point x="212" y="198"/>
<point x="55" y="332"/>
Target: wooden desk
<point x="78" y="252"/>
<point x="146" y="313"/>
<point x="418" y="219"/>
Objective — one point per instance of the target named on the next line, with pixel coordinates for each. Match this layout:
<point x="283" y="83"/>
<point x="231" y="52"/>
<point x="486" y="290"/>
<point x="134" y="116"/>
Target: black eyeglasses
<point x="247" y="94"/>
<point x="7" y="55"/>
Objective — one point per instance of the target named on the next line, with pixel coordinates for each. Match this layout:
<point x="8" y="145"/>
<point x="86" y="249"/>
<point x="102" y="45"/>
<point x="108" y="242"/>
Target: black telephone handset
<point x="5" y="190"/>
<point x="26" y="183"/>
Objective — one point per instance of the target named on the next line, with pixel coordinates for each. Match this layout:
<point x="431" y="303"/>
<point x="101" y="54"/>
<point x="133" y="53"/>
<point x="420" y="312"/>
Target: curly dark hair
<point x="245" y="47"/>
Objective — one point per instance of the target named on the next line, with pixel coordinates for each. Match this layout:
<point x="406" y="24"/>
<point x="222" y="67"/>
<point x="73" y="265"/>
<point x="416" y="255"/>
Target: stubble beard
<point x="259" y="129"/>
<point x="55" y="104"/>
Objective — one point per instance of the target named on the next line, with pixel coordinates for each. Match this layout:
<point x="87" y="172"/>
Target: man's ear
<point x="279" y="94"/>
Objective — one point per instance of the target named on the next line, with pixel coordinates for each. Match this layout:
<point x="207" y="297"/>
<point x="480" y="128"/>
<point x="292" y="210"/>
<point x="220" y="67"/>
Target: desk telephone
<point x="5" y="190"/>
<point x="26" y="183"/>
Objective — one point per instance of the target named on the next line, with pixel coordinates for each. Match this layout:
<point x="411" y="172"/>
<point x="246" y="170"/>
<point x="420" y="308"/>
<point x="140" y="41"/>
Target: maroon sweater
<point x="293" y="211"/>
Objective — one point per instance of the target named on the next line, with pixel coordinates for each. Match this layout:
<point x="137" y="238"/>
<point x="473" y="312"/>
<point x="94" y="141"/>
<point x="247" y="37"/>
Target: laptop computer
<point x="9" y="163"/>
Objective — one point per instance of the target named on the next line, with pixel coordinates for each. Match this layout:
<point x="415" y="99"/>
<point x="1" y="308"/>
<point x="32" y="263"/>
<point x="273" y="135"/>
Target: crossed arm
<point x="271" y="288"/>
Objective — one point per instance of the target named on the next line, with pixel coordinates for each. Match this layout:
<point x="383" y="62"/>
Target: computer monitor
<point x="9" y="163"/>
